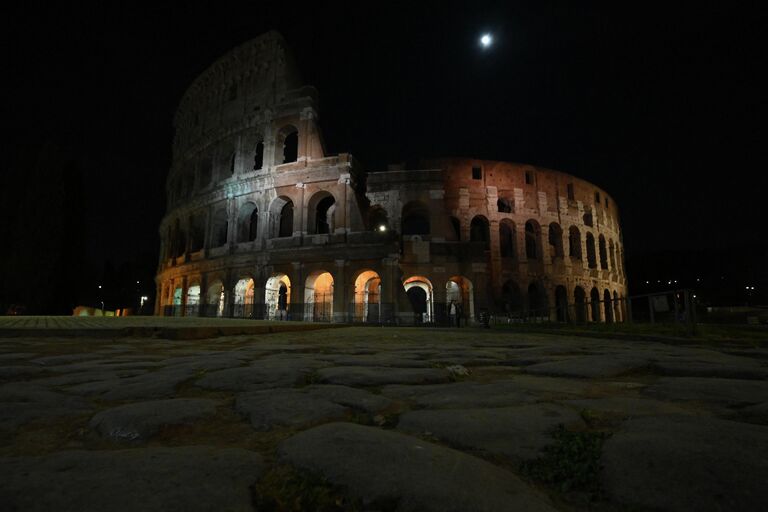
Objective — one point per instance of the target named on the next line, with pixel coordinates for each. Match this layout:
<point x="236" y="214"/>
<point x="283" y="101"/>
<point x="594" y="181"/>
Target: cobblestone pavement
<point x="381" y="419"/>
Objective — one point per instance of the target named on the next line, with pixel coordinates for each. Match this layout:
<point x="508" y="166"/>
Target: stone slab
<point x="588" y="367"/>
<point x="732" y="392"/>
<point x="402" y="473"/>
<point x="286" y="408"/>
<point x="379" y="376"/>
<point x="190" y="478"/>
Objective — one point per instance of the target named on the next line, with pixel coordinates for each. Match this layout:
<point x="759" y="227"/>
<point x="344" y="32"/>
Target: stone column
<point x="297" y="307"/>
<point x="203" y="303"/>
<point x="340" y="291"/>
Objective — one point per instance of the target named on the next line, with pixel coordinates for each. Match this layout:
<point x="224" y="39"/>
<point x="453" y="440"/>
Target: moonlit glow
<point x="486" y="40"/>
<point x="382" y="228"/>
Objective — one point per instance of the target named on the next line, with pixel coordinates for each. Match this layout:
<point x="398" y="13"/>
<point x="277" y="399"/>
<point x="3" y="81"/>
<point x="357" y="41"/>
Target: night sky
<point x="660" y="104"/>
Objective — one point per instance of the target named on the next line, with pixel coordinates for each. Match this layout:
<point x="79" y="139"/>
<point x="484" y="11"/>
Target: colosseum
<point x="262" y="223"/>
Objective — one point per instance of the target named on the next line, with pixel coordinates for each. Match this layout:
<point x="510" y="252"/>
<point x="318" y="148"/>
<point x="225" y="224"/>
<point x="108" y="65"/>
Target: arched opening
<point x="179" y="240"/>
<point x="368" y="297"/>
<point x="591" y="258"/>
<point x="244" y="298"/>
<point x="603" y="252"/>
<point x="532" y="240"/>
<point x="504" y="205"/>
<point x="608" y="306"/>
<point x="419" y="291"/>
<point x="556" y="240"/>
<point x="507" y="238"/>
<point x="178" y="293"/>
<point x="574" y="243"/>
<point x="378" y="220"/>
<point x="193" y="300"/>
<point x="281" y="217"/>
<point x="538" y="306"/>
<point x="288" y="141"/>
<point x="456" y="229"/>
<point x="617" y="312"/>
<point x="220" y="227"/>
<point x="415" y="219"/>
<point x="277" y="297"/>
<point x="460" y="299"/>
<point x="232" y="163"/>
<point x="258" y="159"/>
<point x="612" y="251"/>
<point x="318" y="297"/>
<point x="249" y="222"/>
<point x="579" y="304"/>
<point x="196" y="233"/>
<point x="512" y="299"/>
<point x="561" y="300"/>
<point x="479" y="230"/>
<point x="594" y="299"/>
<point x="587" y="218"/>
<point x="214" y="301"/>
<point x="321" y="208"/>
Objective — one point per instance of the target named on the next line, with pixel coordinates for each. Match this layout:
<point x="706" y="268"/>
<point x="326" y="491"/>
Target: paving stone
<point x="752" y="414"/>
<point x="518" y="433"/>
<point x="350" y="397"/>
<point x="748" y="370"/>
<point x="590" y="367"/>
<point x="190" y="478"/>
<point x="158" y="384"/>
<point x="388" y="360"/>
<point x="684" y="463"/>
<point x="461" y="394"/>
<point x="268" y="409"/>
<point x="140" y="421"/>
<point x="270" y="374"/>
<point x="14" y="372"/>
<point x="17" y="356"/>
<point x="628" y="407"/>
<point x="378" y="376"/>
<point x="720" y="391"/>
<point x="21" y="403"/>
<point x="389" y="469"/>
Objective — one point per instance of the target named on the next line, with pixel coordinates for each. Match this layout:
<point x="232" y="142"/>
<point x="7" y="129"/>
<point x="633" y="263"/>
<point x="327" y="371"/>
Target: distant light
<point x="137" y="282"/>
<point x="694" y="295"/>
<point x="99" y="287"/>
<point x="486" y="40"/>
<point x="382" y="228"/>
<point x="746" y="287"/>
<point x="647" y="282"/>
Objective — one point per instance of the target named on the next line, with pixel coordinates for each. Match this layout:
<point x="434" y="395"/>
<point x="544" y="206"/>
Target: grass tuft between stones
<point x="571" y="463"/>
<point x="286" y="489"/>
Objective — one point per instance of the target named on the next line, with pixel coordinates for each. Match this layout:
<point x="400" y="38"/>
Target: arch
<point x="193" y="300"/>
<point x="281" y="217"/>
<point x="574" y="243"/>
<point x="512" y="299"/>
<point x="178" y="293"/>
<point x="617" y="312"/>
<point x="594" y="299"/>
<point x="479" y="230"/>
<point x="277" y="297"/>
<point x="538" y="305"/>
<point x="603" y="252"/>
<point x="504" y="205"/>
<point x="415" y="216"/>
<point x="556" y="240"/>
<point x="320" y="212"/>
<point x="378" y="220"/>
<point x="587" y="218"/>
<point x="318" y="297"/>
<point x="214" y="299"/>
<point x="420" y="293"/>
<point x="591" y="258"/>
<point x="249" y="222"/>
<point x="244" y="289"/>
<point x="220" y="228"/>
<point x="456" y="229"/>
<point x="196" y="232"/>
<point x="459" y="290"/>
<point x="507" y="237"/>
<point x="367" y="297"/>
<point x="258" y="158"/>
<point x="579" y="304"/>
<point x="612" y="252"/>
<point x="288" y="144"/>
<point x="178" y="240"/>
<point x="561" y="302"/>
<point x="532" y="240"/>
<point x="608" y="306"/>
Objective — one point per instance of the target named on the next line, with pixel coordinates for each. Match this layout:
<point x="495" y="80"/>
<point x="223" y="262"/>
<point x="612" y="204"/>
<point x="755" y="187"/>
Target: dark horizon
<point x="658" y="106"/>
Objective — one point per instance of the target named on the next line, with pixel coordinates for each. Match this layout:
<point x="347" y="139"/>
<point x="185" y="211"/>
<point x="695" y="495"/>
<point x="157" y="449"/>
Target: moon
<point x="486" y="40"/>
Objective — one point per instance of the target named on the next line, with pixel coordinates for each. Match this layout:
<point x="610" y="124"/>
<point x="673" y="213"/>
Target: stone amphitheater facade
<point x="262" y="223"/>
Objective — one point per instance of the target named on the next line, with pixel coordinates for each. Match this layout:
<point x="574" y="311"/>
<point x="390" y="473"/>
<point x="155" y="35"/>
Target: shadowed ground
<point x="375" y="419"/>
